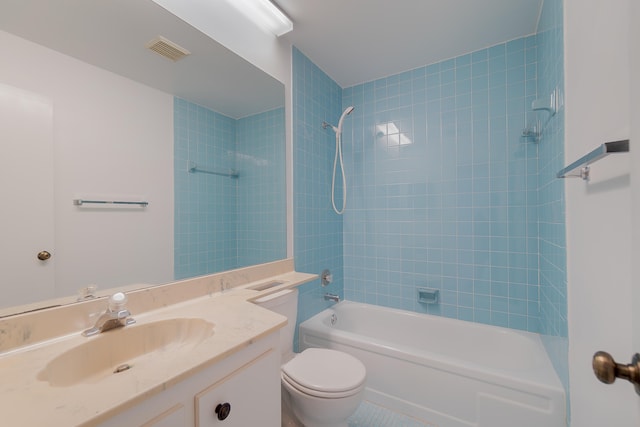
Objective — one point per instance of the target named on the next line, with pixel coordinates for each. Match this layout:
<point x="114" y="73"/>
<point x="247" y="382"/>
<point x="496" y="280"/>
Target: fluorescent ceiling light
<point x="265" y="14"/>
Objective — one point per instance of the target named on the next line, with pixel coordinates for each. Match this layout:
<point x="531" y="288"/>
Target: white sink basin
<point x="121" y="349"/>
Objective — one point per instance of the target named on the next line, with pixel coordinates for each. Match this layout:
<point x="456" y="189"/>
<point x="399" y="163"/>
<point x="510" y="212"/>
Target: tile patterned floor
<point x="367" y="415"/>
<point x="371" y="415"/>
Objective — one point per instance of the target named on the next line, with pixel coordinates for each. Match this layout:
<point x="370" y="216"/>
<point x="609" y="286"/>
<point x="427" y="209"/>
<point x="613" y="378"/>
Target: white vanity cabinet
<point x="242" y="390"/>
<point x="243" y="398"/>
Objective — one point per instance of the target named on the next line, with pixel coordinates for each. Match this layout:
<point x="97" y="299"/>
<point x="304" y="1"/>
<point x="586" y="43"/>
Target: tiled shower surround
<point x="223" y="223"/>
<point x="317" y="229"/>
<point x="444" y="192"/>
<point x="442" y="188"/>
<point x="551" y="203"/>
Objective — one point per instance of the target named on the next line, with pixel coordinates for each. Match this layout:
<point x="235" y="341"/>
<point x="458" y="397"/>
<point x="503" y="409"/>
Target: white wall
<point x="113" y="138"/>
<point x="598" y="213"/>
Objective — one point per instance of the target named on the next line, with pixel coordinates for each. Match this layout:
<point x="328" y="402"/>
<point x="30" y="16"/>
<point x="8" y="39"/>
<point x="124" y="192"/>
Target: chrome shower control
<point x="326" y="277"/>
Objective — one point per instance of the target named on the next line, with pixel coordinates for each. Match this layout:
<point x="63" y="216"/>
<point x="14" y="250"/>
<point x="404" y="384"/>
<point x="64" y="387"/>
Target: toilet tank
<point x="285" y="303"/>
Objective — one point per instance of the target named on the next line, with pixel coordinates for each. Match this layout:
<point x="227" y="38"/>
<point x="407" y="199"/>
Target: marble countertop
<point x="27" y="400"/>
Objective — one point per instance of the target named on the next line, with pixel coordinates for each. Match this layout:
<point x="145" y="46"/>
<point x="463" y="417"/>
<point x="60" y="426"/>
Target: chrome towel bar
<point x="80" y="202"/>
<point x="193" y="168"/>
<point x="583" y="162"/>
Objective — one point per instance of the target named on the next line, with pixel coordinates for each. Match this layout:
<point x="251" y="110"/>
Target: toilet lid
<point x="324" y="370"/>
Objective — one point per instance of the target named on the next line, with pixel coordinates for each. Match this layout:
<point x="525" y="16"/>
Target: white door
<point x="26" y="191"/>
<point x="603" y="216"/>
<point x="634" y="152"/>
<point x="634" y="54"/>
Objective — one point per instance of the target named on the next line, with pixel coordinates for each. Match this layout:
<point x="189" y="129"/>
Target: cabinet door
<point x="252" y="393"/>
<point x="173" y="417"/>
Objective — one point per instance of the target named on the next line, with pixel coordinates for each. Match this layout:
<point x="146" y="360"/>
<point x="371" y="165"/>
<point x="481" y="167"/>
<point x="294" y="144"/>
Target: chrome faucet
<point x="116" y="316"/>
<point x="331" y="297"/>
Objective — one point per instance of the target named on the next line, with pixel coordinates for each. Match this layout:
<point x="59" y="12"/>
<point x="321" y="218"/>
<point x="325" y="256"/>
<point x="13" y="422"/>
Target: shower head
<point x="338" y="130"/>
<point x="345" y="113"/>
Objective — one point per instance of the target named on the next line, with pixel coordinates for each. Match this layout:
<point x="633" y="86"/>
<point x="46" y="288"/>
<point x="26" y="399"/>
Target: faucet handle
<point x="117" y="307"/>
<point x="122" y="314"/>
<point x="117" y="302"/>
<point x="116" y="316"/>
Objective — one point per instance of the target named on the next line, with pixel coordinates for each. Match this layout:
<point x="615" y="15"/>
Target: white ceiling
<point x="356" y="41"/>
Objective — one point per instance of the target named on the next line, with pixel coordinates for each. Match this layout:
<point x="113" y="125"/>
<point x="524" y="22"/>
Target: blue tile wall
<point x="317" y="229"/>
<point x="442" y="188"/>
<point x="551" y="212"/>
<point x="205" y="205"/>
<point x="223" y="223"/>
<point x="261" y="208"/>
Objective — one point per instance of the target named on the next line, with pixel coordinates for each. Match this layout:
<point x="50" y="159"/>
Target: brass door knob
<point x="44" y="255"/>
<point x="607" y="370"/>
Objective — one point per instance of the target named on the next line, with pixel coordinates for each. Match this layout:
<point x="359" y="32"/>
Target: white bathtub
<point x="447" y="372"/>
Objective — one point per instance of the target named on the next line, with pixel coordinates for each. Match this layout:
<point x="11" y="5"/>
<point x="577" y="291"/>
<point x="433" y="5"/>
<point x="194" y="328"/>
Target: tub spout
<point x="331" y="297"/>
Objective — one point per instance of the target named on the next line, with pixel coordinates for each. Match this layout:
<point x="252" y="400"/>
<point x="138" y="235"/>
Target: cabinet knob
<point x="44" y="255"/>
<point x="223" y="410"/>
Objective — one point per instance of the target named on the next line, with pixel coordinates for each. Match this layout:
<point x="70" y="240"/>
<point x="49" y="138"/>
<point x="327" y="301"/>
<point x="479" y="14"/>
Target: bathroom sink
<point x="119" y="350"/>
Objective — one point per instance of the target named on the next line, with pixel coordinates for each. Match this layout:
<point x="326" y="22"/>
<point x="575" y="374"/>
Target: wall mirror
<point x="91" y="114"/>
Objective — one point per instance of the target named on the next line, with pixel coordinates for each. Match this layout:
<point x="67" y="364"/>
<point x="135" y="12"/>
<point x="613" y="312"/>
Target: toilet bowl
<point x="323" y="386"/>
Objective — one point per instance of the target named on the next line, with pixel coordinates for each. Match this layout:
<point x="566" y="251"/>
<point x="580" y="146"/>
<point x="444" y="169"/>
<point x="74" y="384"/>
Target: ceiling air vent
<point x="167" y="48"/>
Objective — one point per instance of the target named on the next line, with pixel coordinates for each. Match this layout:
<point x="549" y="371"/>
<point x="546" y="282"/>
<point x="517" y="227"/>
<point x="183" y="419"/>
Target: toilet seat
<point x="322" y="372"/>
<point x="319" y="394"/>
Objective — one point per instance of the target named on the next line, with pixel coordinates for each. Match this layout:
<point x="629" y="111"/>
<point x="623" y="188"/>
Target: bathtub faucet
<point x="331" y="297"/>
<point x="116" y="316"/>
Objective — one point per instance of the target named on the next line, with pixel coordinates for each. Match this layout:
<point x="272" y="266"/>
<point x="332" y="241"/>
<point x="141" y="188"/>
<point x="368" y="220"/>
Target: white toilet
<point x="325" y="386"/>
